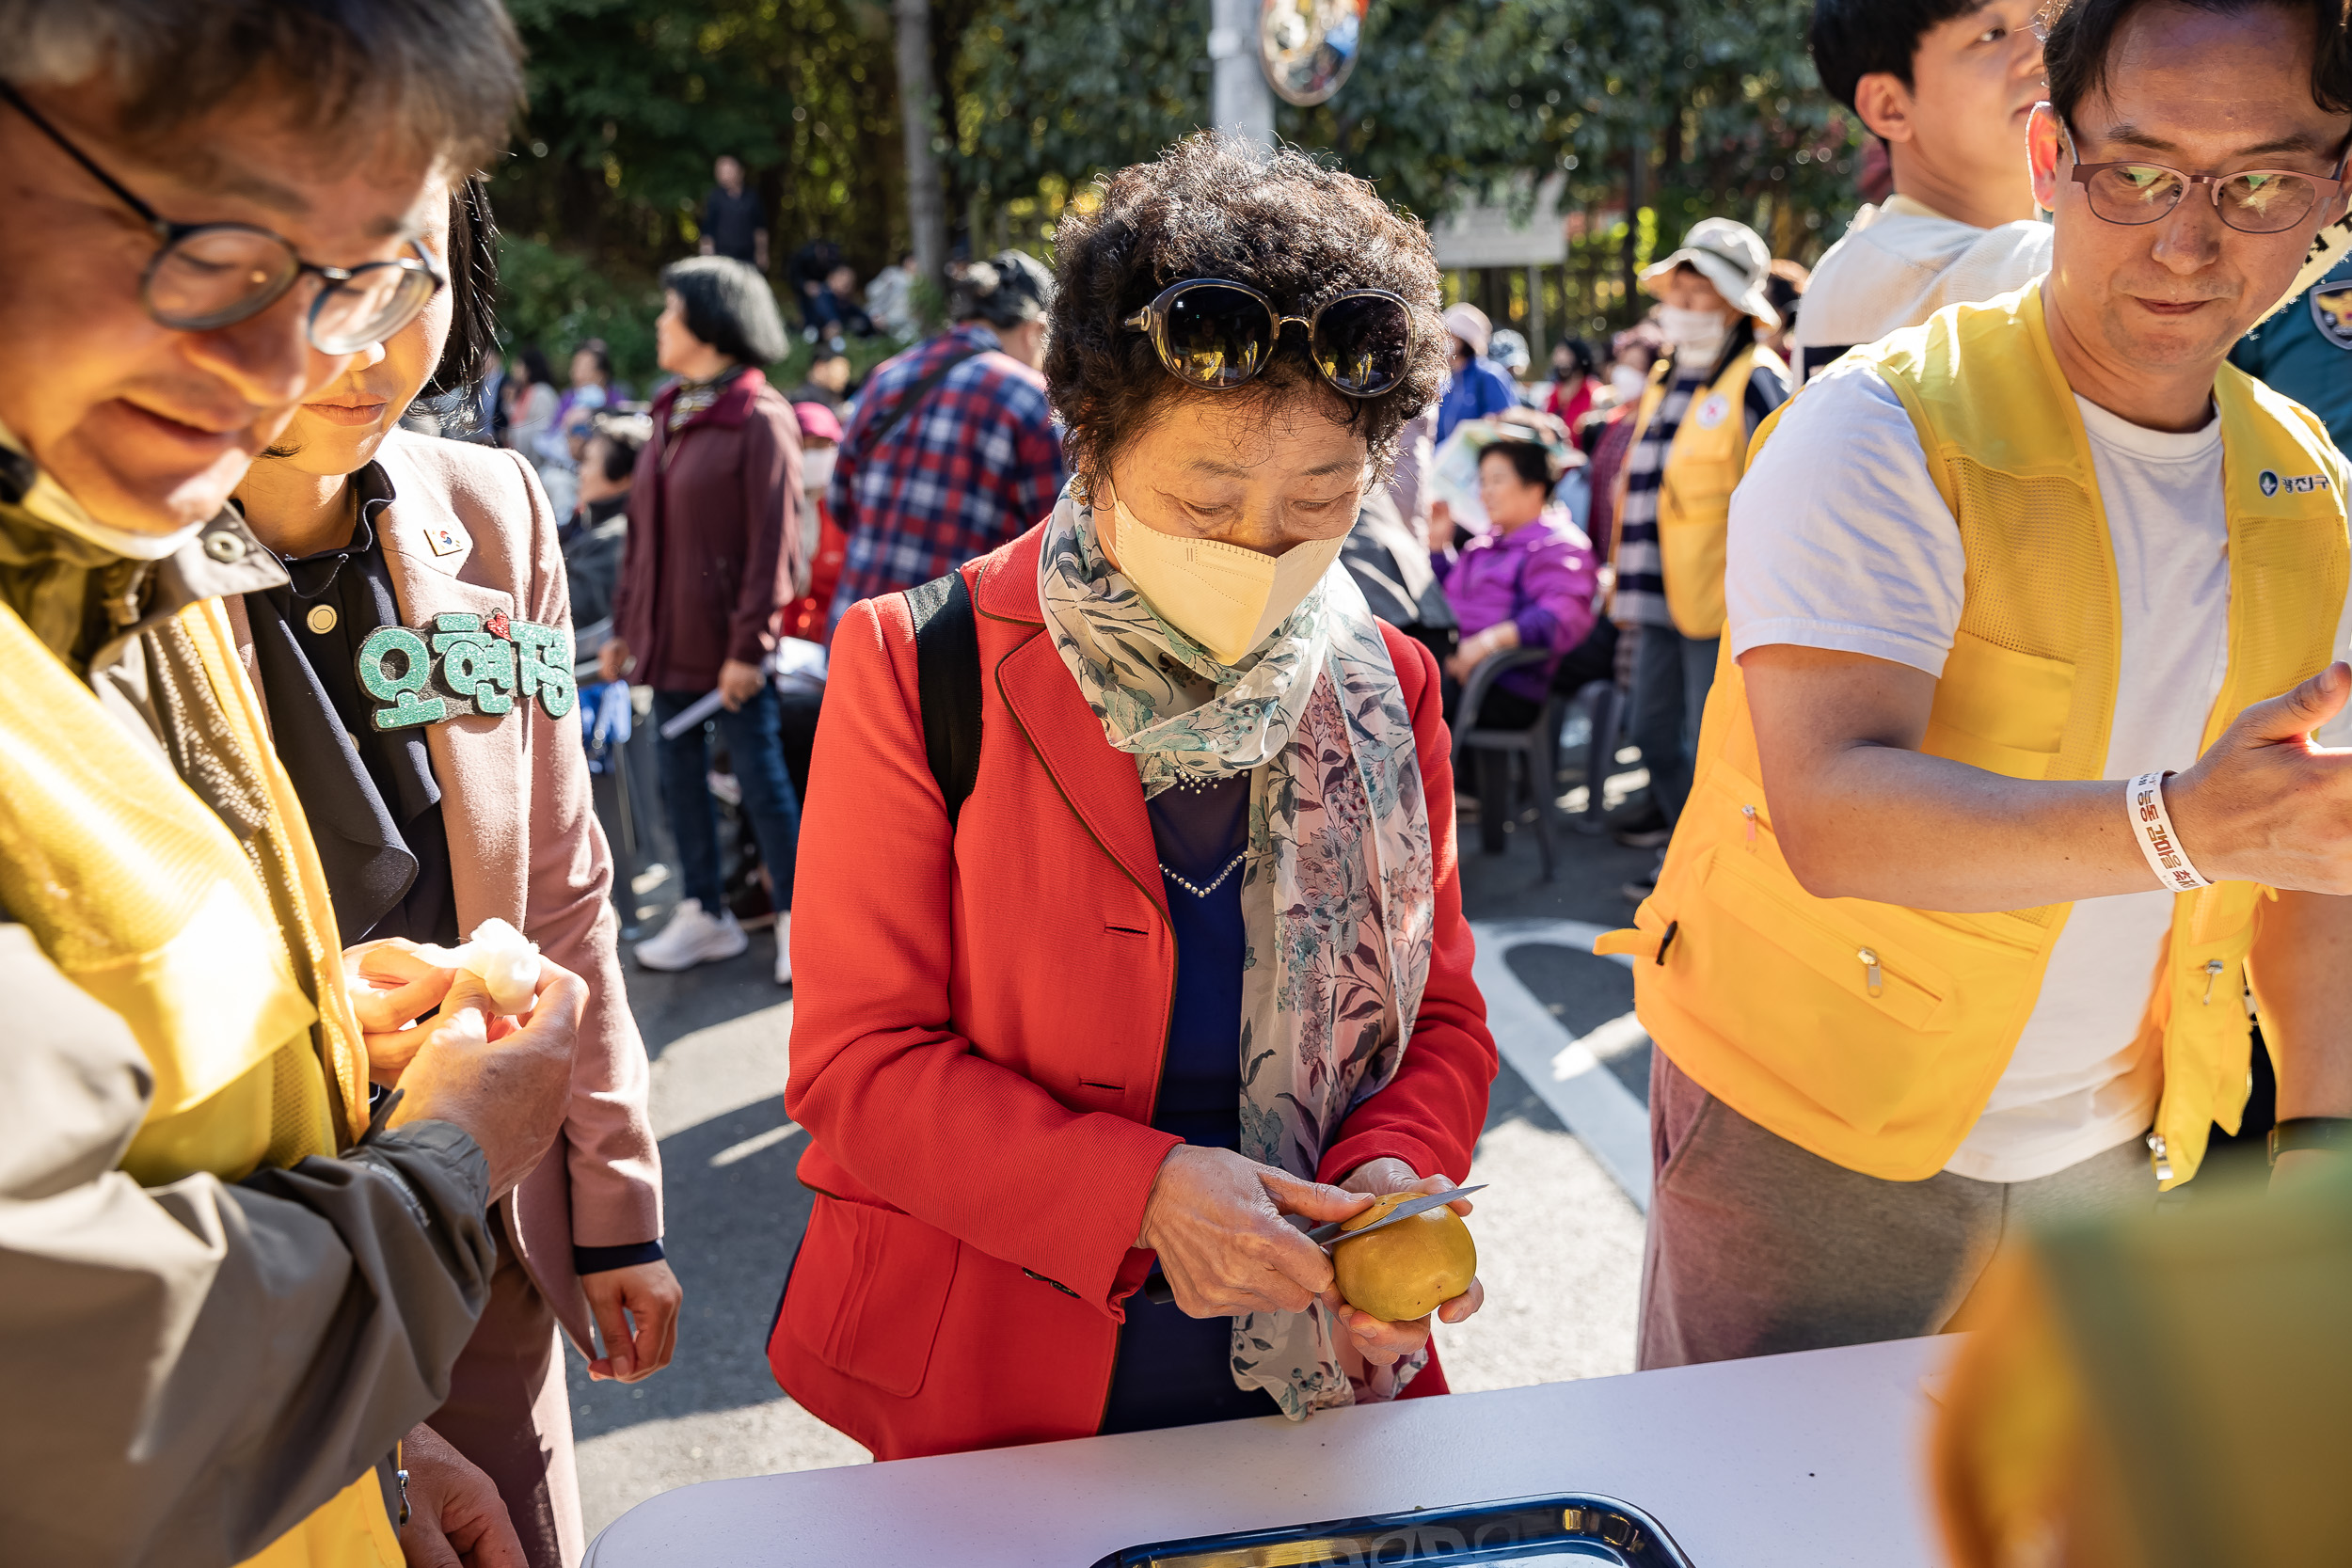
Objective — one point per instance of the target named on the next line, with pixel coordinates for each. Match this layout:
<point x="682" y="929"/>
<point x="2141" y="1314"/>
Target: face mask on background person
<point x="817" y="468"/>
<point x="1226" y="598"/>
<point x="1693" y="335"/>
<point x="1629" y="382"/>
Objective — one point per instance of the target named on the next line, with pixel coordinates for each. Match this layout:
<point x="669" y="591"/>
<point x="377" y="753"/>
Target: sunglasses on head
<point x="1216" y="334"/>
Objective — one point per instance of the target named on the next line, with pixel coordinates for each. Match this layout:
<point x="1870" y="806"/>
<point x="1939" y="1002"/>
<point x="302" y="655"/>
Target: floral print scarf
<point x="1337" y="887"/>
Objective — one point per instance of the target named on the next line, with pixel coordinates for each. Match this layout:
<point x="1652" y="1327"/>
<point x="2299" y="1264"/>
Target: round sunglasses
<point x="207" y="276"/>
<point x="1216" y="334"/>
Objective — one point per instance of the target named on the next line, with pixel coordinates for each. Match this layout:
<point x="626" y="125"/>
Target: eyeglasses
<point x="208" y="276"/>
<point x="2253" y="201"/>
<point x="1216" y="335"/>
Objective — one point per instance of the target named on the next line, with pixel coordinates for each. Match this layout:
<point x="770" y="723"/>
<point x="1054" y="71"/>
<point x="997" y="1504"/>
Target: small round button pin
<point x="320" y="618"/>
<point x="227" y="548"/>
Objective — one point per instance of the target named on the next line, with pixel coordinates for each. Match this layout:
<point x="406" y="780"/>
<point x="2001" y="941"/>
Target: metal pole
<point x="1537" y="350"/>
<point x="1240" y="101"/>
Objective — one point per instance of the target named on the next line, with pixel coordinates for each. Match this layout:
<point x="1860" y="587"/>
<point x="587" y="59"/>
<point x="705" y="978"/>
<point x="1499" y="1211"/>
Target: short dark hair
<point x="623" y="438"/>
<point x="1527" y="459"/>
<point x="473" y="286"/>
<point x="600" y="351"/>
<point x="448" y="74"/>
<point x="532" y="361"/>
<point x="1007" y="289"/>
<point x="729" y="305"/>
<point x="2078" y="35"/>
<point x="1851" y="39"/>
<point x="1215" y="206"/>
<point x="1582" y="352"/>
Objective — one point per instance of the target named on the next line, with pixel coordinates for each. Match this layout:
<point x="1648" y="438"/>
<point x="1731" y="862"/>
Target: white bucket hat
<point x="1729" y="255"/>
<point x="1470" y="323"/>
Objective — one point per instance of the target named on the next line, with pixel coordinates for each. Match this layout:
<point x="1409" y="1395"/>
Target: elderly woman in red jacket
<point x="1190" y="956"/>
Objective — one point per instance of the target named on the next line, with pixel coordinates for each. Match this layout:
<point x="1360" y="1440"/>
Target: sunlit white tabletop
<point x="1805" y="1460"/>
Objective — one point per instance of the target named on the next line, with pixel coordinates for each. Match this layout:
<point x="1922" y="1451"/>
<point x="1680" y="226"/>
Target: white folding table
<point x="1806" y="1461"/>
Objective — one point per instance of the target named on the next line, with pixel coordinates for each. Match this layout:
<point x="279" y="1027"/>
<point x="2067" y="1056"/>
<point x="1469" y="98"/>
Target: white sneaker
<point x="784" y="948"/>
<point x="692" y="937"/>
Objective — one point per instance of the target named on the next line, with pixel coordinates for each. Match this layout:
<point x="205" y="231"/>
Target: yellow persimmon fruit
<point x="1410" y="1269"/>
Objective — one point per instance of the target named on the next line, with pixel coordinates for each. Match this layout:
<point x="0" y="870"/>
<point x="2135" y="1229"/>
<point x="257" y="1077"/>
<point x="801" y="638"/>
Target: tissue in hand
<point x="506" y="960"/>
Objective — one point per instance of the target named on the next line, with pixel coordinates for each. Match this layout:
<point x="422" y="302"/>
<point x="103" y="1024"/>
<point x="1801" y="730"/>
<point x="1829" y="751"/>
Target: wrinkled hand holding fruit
<point x="506" y="961"/>
<point x="1407" y="1270"/>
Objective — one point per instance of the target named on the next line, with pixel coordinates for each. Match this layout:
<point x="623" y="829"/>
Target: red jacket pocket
<point x="869" y="1290"/>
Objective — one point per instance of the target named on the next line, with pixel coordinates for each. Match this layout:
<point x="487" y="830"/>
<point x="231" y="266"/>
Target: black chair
<point x="1513" y="764"/>
<point x="1604" y="707"/>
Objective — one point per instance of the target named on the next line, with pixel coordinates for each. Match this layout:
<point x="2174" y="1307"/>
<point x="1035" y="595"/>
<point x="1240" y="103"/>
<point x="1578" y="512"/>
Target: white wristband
<point x="2152" y="824"/>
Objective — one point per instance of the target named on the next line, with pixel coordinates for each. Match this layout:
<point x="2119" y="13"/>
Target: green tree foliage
<point x="629" y="105"/>
<point x="1680" y="107"/>
<point x="1658" y="112"/>
<point x="1050" y="93"/>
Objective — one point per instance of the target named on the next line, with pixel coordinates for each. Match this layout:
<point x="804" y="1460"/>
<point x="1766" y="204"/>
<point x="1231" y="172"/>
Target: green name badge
<point x="472" y="665"/>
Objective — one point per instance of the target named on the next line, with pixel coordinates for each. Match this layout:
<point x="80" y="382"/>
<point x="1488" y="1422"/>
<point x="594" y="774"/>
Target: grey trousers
<point x="1671" y="675"/>
<point x="1756" y="1247"/>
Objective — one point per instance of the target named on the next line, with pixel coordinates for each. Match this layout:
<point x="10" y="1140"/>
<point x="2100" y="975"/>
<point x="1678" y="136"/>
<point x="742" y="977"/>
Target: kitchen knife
<point x="1157" y="1291"/>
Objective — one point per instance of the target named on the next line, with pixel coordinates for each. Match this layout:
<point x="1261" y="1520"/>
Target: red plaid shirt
<point x="975" y="466"/>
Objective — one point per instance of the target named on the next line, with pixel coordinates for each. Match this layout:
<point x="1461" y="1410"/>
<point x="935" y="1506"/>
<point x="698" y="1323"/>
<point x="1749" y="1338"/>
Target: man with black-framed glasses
<point x="2033" y="611"/>
<point x="229" y="1284"/>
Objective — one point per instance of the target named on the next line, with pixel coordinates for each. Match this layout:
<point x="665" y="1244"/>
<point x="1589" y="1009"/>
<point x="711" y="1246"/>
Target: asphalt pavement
<point x="1559" y="1240"/>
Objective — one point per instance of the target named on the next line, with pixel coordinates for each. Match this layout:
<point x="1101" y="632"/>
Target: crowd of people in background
<point x="1730" y="501"/>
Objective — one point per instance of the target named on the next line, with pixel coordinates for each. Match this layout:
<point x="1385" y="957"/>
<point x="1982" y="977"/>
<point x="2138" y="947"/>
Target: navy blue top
<point x="1174" y="1370"/>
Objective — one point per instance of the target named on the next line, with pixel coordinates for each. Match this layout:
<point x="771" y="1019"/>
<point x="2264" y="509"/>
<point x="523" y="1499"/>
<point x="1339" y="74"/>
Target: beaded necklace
<point x="1193" y="888"/>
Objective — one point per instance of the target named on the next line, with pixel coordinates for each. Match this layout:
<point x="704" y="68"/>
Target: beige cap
<point x="1729" y="255"/>
<point x="1470" y="323"/>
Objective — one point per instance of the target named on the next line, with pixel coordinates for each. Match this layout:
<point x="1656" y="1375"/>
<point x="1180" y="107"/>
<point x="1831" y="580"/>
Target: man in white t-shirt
<point x="1948" y="86"/>
<point x="1921" y="966"/>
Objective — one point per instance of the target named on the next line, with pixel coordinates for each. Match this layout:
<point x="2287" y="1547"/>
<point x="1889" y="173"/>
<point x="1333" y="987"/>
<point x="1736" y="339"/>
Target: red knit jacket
<point x="980" y="1020"/>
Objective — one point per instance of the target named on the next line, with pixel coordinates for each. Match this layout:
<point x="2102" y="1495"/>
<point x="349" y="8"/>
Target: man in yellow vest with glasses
<point x="228" y="1287"/>
<point x="2006" y="794"/>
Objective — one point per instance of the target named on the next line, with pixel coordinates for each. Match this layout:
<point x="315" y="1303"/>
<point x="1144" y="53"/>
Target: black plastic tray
<point x="1571" y="1529"/>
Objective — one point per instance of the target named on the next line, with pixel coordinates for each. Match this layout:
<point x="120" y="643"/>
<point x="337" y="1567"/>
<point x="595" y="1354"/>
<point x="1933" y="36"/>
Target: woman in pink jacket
<point x="418" y="676"/>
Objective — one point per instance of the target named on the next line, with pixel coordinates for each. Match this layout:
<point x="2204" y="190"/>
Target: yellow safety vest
<point x="1702" y="467"/>
<point x="1871" y="1033"/>
<point x="140" y="896"/>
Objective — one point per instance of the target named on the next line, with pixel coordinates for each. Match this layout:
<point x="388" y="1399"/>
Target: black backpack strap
<point x="947" y="682"/>
<point x="913" y="400"/>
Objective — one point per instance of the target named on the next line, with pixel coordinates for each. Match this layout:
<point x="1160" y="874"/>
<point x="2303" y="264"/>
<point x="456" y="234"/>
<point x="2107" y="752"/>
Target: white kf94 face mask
<point x="1226" y="598"/>
<point x="817" y="468"/>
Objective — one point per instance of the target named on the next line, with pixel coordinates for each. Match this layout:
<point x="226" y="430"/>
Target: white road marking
<point x="754" y="1144"/>
<point x="1564" y="1069"/>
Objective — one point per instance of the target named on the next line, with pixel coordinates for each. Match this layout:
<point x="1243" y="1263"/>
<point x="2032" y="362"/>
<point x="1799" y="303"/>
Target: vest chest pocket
<point x="2001" y="710"/>
<point x="1693" y="538"/>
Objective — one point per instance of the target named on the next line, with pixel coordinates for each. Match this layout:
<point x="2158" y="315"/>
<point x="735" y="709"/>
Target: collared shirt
<point x="2305" y="351"/>
<point x="973" y="468"/>
<point x="373" y="804"/>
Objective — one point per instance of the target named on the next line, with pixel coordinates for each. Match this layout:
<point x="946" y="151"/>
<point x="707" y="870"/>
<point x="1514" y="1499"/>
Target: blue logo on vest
<point x="2296" y="484"/>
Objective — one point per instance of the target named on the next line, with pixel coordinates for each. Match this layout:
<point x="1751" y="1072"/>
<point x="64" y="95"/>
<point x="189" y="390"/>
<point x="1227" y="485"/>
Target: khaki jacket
<point x="191" y="1367"/>
<point x="525" y="846"/>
